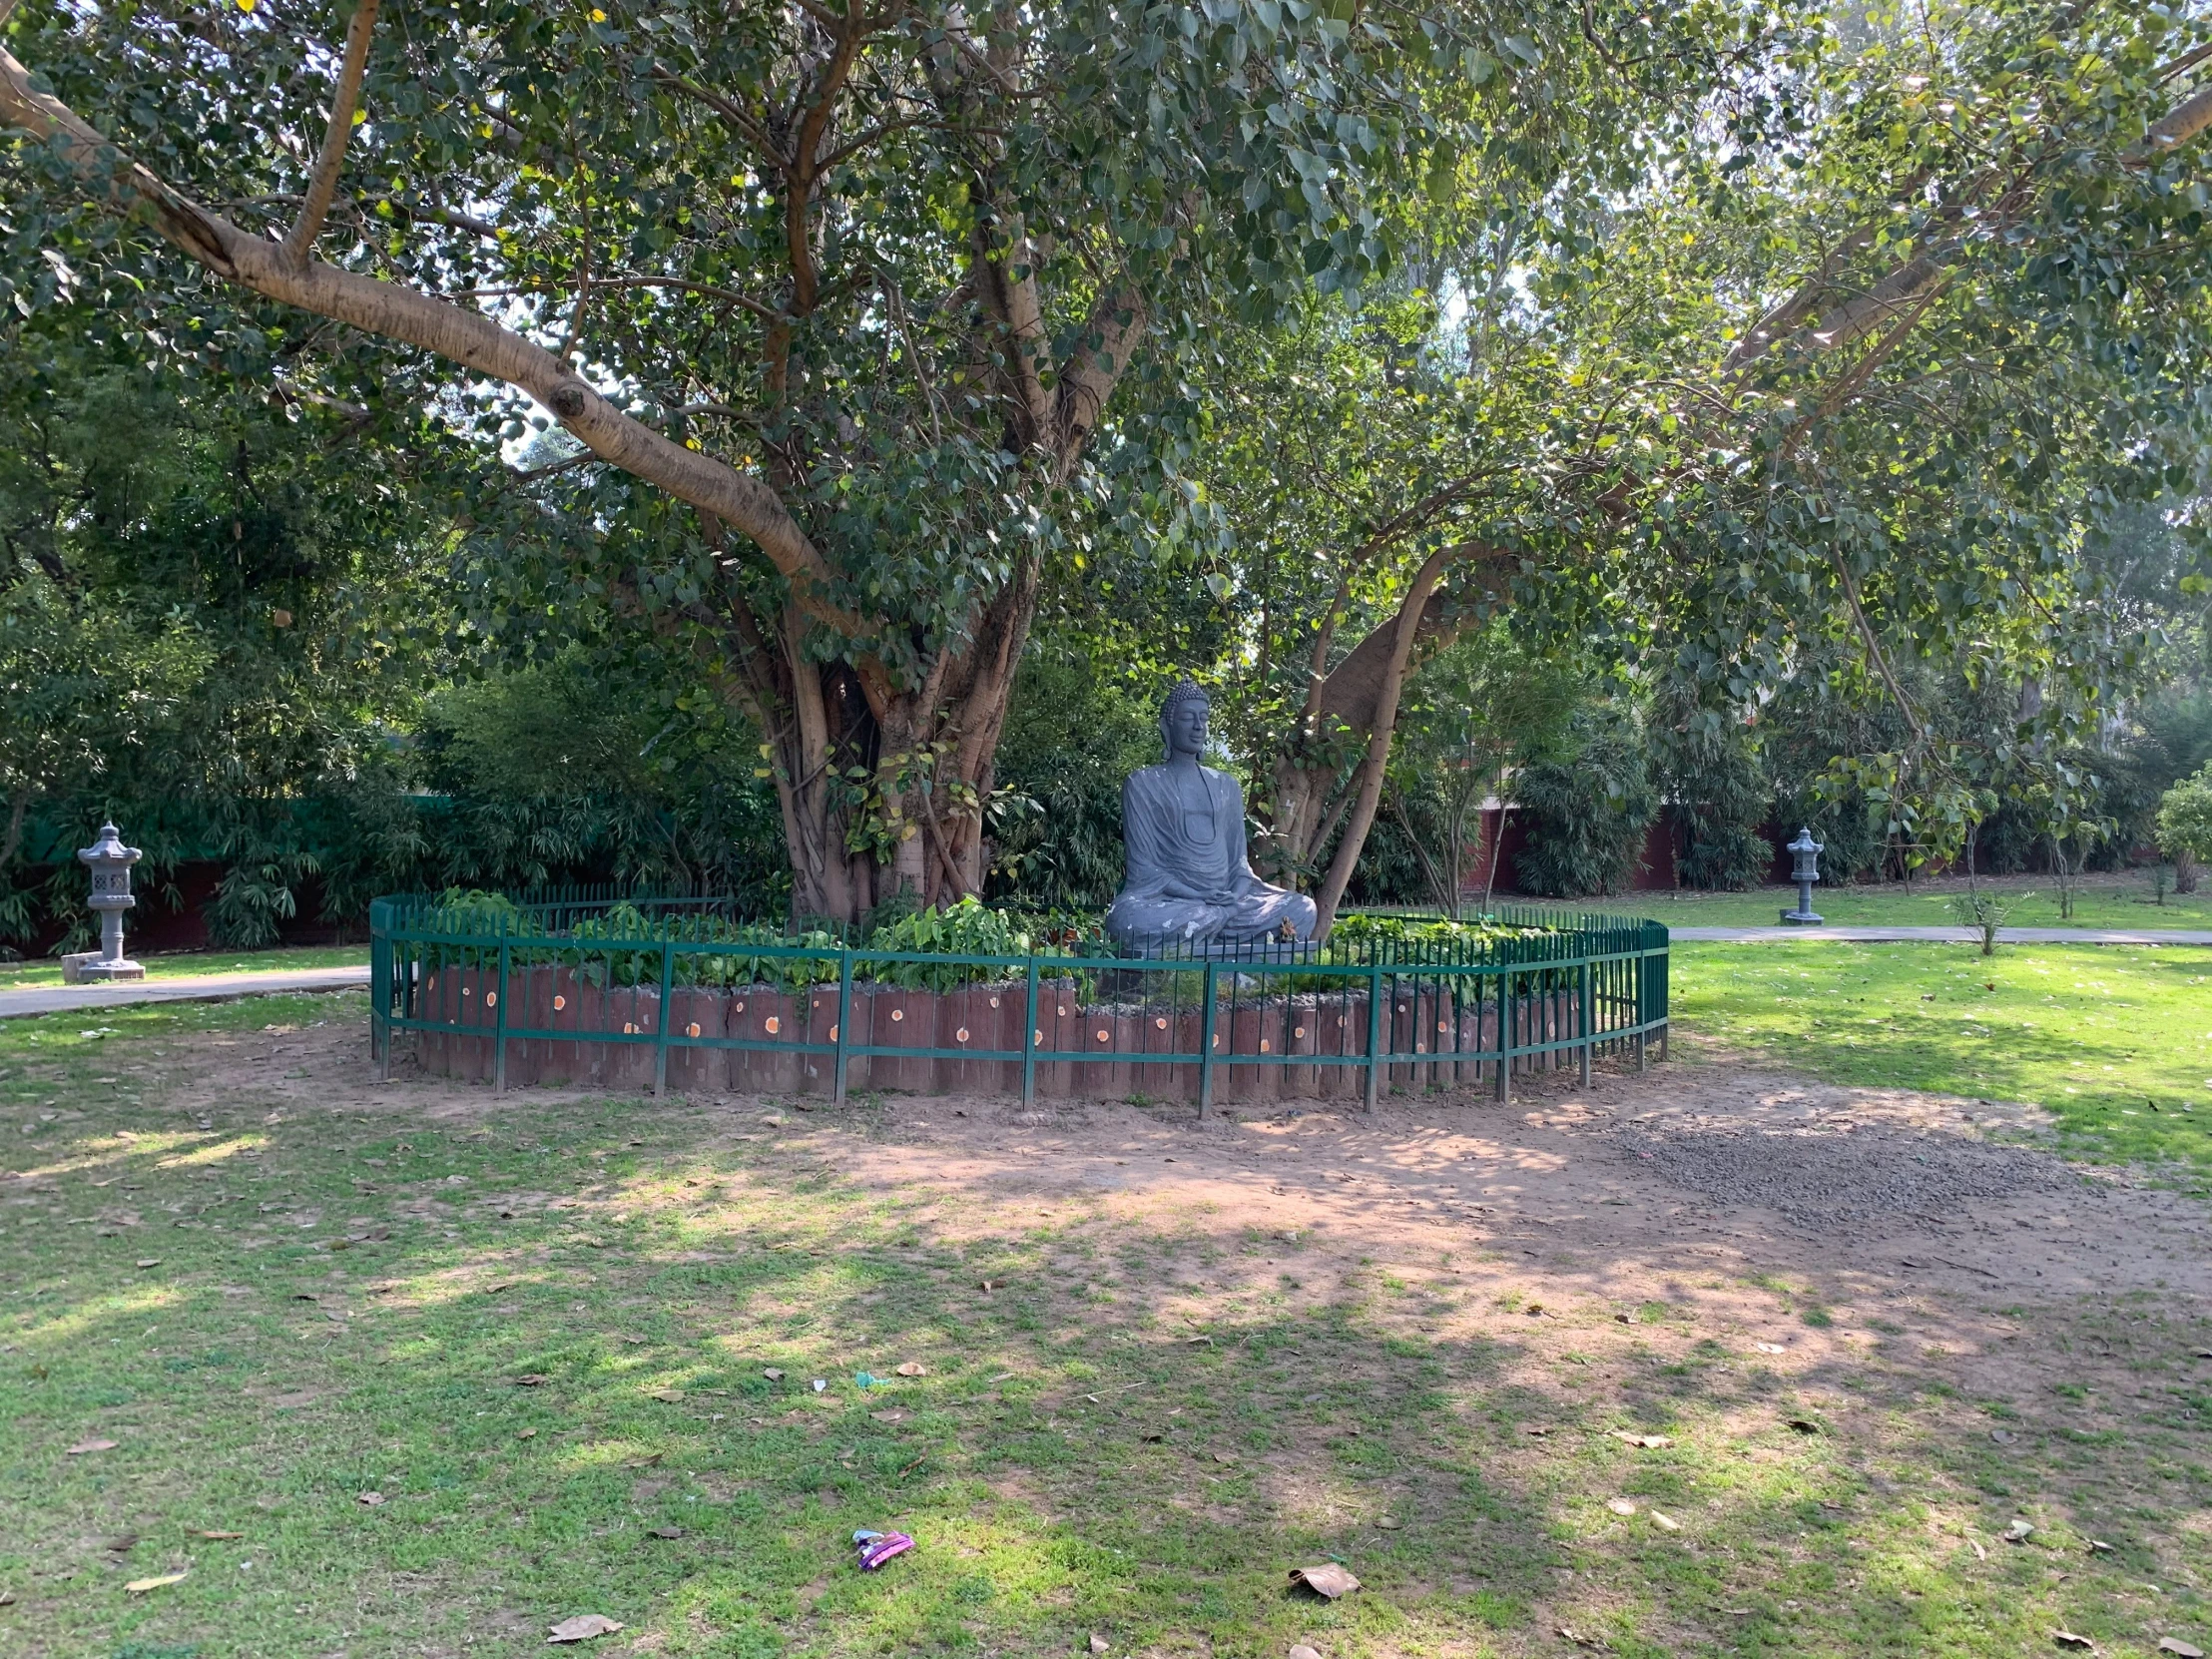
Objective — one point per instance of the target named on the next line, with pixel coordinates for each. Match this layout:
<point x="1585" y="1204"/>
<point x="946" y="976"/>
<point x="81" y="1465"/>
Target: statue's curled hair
<point x="1190" y="691"/>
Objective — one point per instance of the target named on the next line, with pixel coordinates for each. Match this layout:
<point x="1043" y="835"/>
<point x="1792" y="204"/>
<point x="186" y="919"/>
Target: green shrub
<point x="968" y="928"/>
<point x="1725" y="801"/>
<point x="2185" y="826"/>
<point x="1587" y="813"/>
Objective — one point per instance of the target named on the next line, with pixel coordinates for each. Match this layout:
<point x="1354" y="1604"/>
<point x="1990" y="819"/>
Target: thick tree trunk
<point x="882" y="792"/>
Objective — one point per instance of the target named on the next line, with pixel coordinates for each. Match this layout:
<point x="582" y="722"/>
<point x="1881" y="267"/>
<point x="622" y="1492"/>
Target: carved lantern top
<point x="110" y="863"/>
<point x="1808" y="853"/>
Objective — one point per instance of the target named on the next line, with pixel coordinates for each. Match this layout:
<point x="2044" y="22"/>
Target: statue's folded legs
<point x="1154" y="923"/>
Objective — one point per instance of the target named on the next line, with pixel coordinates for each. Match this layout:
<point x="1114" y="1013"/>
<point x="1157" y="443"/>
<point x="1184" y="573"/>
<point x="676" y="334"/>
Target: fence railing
<point x="598" y="984"/>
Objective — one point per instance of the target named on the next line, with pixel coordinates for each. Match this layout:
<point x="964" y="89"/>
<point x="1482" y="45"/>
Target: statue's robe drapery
<point x="1190" y="879"/>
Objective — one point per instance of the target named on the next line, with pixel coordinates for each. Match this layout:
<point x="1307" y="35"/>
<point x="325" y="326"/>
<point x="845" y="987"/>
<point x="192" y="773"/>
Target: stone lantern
<point x="1805" y="870"/>
<point x="110" y="863"/>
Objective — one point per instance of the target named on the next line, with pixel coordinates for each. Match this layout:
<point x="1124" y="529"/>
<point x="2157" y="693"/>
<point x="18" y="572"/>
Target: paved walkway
<point x="206" y="988"/>
<point x="1950" y="935"/>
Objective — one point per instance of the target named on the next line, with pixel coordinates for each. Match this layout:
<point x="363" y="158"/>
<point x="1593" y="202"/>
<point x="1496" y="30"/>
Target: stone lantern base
<point x="85" y="967"/>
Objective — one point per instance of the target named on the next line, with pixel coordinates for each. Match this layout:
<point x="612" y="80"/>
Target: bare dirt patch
<point x="1746" y="1202"/>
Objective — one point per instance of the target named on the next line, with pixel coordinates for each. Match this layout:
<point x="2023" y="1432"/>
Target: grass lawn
<point x="385" y="1381"/>
<point x="2117" y="901"/>
<point x="194" y="964"/>
<point x="2116" y="1040"/>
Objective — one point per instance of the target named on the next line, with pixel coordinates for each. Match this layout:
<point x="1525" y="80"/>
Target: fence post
<point x="844" y="1022"/>
<point x="1504" y="1037"/>
<point x="1030" y="1037"/>
<point x="379" y="1000"/>
<point x="659" y="1030"/>
<point x="1582" y="1016"/>
<point x="1639" y="966"/>
<point x="1374" y="1032"/>
<point x="1206" y="1045"/>
<point x="499" y="1052"/>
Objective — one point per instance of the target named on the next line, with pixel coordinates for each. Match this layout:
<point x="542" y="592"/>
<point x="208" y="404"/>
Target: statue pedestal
<point x="89" y="967"/>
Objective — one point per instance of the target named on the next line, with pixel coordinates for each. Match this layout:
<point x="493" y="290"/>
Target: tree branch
<point x="1115" y="326"/>
<point x="1016" y="304"/>
<point x="343" y="101"/>
<point x="463" y="337"/>
<point x="1374" y="766"/>
<point x="752" y="131"/>
<point x="2181" y="124"/>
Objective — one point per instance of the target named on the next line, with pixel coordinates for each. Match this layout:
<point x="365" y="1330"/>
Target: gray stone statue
<point x="1189" y="879"/>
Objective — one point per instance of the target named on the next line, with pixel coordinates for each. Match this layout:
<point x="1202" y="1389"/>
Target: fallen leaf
<point x="668" y="1531"/>
<point x="672" y="1396"/>
<point x="582" y="1628"/>
<point x="494" y="1289"/>
<point x="1665" y="1523"/>
<point x="1329" y="1580"/>
<point x="1805" y="1425"/>
<point x="1099" y="1644"/>
<point x="138" y="1586"/>
<point x="1620" y="1506"/>
<point x="1650" y="1441"/>
<point x="1980" y="1554"/>
<point x="149" y="1261"/>
<point x="1770" y="1348"/>
<point x="910" y="1368"/>
<point x="213" y="1532"/>
<point x="83" y="1447"/>
<point x="533" y="1379"/>
<point x="2100" y="1546"/>
<point x="369" y="1500"/>
<point x="1581" y="1641"/>
<point x="2184" y="1650"/>
<point x="2066" y="1638"/>
<point x="2018" y="1532"/>
<point x="895" y="1415"/>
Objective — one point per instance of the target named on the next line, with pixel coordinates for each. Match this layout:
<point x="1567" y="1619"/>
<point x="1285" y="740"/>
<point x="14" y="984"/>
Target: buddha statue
<point x="1189" y="881"/>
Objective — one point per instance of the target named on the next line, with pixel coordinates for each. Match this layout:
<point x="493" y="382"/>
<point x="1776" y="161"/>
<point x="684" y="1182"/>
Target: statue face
<point x="1185" y="728"/>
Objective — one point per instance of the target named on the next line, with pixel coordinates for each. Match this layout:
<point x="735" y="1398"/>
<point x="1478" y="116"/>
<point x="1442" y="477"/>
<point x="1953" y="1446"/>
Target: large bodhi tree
<point x="1862" y="386"/>
<point x="832" y="296"/>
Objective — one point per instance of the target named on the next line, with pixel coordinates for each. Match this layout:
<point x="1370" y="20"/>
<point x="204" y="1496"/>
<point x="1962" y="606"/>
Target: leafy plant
<point x="2185" y="828"/>
<point x="967" y="928"/>
<point x="1983" y="910"/>
<point x="1588" y="812"/>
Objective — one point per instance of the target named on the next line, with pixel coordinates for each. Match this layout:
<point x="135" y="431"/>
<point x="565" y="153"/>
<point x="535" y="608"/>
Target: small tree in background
<point x="1483" y="711"/>
<point x="2185" y="828"/>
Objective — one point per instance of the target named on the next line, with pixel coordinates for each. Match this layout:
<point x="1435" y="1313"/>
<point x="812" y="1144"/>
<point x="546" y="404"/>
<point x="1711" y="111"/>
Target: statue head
<point x="1183" y="721"/>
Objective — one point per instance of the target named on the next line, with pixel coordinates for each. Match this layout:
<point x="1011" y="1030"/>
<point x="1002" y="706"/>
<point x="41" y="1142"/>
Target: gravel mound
<point x="1820" y="1176"/>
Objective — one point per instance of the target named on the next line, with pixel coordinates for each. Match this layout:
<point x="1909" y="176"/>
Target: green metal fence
<point x="683" y="978"/>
